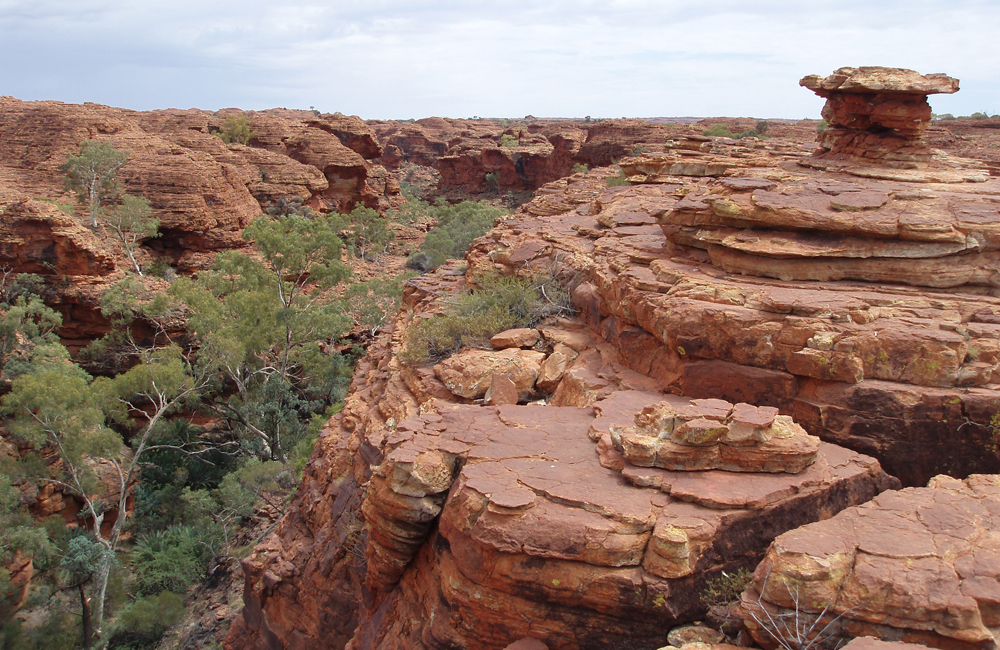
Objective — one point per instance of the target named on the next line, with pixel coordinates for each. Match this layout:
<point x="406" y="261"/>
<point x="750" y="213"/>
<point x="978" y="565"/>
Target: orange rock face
<point x="202" y="190"/>
<point x="423" y="523"/>
<point x="921" y="565"/>
<point x="878" y="114"/>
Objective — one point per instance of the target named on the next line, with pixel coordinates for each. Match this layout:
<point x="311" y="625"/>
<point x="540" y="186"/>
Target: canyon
<point x="764" y="281"/>
<point x="782" y="356"/>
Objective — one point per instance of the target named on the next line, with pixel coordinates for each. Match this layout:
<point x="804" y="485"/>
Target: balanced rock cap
<point x="877" y="79"/>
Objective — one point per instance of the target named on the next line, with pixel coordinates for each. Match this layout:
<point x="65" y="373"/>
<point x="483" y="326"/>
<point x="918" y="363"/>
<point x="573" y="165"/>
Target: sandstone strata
<point x="862" y="307"/>
<point x="427" y="524"/>
<point x="878" y="114"/>
<point x="202" y="190"/>
<point x="921" y="565"/>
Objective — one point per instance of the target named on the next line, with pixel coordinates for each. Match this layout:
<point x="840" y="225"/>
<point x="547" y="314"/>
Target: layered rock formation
<point x="921" y="565"/>
<point x="423" y="523"/>
<point x="202" y="190"/>
<point x="465" y="151"/>
<point x="878" y="114"/>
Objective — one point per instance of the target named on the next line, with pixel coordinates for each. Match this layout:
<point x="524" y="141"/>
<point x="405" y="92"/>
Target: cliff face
<point x="799" y="320"/>
<point x="202" y="190"/>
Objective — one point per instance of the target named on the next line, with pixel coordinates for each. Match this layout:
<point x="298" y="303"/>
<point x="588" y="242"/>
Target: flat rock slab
<point x="921" y="564"/>
<point x="533" y="518"/>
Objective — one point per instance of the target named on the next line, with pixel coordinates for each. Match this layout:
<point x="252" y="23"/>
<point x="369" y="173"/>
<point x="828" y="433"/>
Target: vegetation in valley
<point x="202" y="403"/>
<point x="457" y="226"/>
<point x="497" y="303"/>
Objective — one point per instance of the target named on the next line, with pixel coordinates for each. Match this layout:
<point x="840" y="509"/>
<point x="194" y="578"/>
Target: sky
<point x="384" y="59"/>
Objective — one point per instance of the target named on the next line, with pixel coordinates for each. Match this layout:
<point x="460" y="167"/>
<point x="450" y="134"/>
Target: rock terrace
<point x="920" y="565"/>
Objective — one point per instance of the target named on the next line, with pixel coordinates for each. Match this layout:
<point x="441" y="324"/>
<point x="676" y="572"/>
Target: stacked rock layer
<point x="920" y="565"/>
<point x="878" y="114"/>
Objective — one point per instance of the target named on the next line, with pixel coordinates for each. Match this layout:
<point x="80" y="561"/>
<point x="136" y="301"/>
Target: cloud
<point x="393" y="58"/>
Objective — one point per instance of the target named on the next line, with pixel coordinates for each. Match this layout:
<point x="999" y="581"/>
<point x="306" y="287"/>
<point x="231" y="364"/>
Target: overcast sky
<point x="459" y="58"/>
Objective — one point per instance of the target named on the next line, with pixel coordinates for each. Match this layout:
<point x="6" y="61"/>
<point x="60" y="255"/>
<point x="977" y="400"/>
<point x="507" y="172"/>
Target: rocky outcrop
<point x="427" y="523"/>
<point x="593" y="512"/>
<point x="859" y="306"/>
<point x="465" y="151"/>
<point x="921" y="565"/>
<point x="878" y="114"/>
<point x="202" y="190"/>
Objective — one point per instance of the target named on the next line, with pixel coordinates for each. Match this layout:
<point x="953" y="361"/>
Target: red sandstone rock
<point x="878" y="113"/>
<point x="501" y="391"/>
<point x="920" y="565"/>
<point x="531" y="519"/>
<point x="524" y="337"/>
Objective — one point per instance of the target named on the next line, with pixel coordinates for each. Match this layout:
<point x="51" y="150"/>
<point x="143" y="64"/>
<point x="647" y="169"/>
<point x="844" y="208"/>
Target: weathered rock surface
<point x="202" y="190"/>
<point x="431" y="514"/>
<point x="921" y="565"/>
<point x="422" y="523"/>
<point x="878" y="114"/>
<point x="740" y="287"/>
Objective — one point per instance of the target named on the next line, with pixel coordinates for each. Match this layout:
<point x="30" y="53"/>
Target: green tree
<point x="367" y="233"/>
<point x="27" y="325"/>
<point x="259" y="321"/>
<point x="132" y="222"/>
<point x="93" y="174"/>
<point x="81" y="562"/>
<point x="59" y="406"/>
<point x="374" y="302"/>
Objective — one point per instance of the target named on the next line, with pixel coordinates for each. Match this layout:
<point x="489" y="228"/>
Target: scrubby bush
<point x="580" y="168"/>
<point x="287" y="205"/>
<point x="617" y="181"/>
<point x="497" y="304"/>
<point x="236" y="128"/>
<point x="722" y="131"/>
<point x="143" y="623"/>
<point x="457" y="226"/>
<point x="762" y="127"/>
<point x="822" y="126"/>
<point x="507" y="140"/>
<point x="726" y="588"/>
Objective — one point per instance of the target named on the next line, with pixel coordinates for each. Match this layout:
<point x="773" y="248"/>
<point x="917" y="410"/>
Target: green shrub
<point x="638" y="150"/>
<point x="169" y="560"/>
<point x="718" y="131"/>
<point x="822" y="126"/>
<point x="497" y="304"/>
<point x="491" y="182"/>
<point x="457" y="226"/>
<point x="618" y="181"/>
<point x="722" y="131"/>
<point x="762" y="126"/>
<point x="367" y="233"/>
<point x="236" y="128"/>
<point x="143" y="623"/>
<point x="507" y="140"/>
<point x="726" y="588"/>
<point x="580" y="168"/>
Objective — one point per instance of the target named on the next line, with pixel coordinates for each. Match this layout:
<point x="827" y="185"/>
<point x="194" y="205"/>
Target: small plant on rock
<point x="507" y="140"/>
<point x="236" y="129"/>
<point x="726" y="588"/>
<point x="497" y="304"/>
